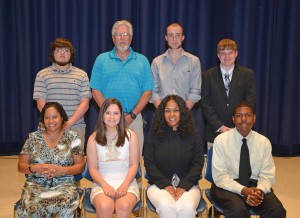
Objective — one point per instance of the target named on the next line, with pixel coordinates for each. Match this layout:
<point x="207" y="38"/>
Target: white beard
<point x="124" y="48"/>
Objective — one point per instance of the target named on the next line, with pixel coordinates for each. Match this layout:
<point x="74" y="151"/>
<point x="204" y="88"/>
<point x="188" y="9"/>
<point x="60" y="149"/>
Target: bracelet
<point x="30" y="165"/>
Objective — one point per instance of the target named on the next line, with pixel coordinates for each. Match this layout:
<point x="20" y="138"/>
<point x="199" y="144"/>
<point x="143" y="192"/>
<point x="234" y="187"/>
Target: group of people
<point x="122" y="84"/>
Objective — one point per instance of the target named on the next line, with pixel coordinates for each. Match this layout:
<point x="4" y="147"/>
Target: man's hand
<point x="253" y="196"/>
<point x="224" y="129"/>
<point x="128" y="120"/>
<point x="67" y="125"/>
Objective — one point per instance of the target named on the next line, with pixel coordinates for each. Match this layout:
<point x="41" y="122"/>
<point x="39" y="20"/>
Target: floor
<point x="286" y="187"/>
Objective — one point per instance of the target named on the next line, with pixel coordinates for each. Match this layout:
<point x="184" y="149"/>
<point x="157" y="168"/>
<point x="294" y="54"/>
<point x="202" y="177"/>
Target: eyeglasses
<point x="118" y="35"/>
<point x="62" y="50"/>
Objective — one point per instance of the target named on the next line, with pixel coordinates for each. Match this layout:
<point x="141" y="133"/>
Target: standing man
<point x="223" y="87"/>
<point x="177" y="72"/>
<point x="126" y="75"/>
<point x="243" y="169"/>
<point x="63" y="83"/>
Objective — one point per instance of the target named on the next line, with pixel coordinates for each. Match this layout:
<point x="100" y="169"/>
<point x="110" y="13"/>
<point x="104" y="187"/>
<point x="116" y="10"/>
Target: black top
<point x="166" y="155"/>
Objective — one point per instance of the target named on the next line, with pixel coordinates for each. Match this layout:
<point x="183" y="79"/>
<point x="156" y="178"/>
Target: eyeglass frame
<point x="62" y="50"/>
<point x="119" y="35"/>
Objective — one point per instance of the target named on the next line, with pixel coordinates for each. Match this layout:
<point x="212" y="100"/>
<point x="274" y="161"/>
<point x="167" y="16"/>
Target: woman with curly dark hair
<point x="173" y="158"/>
<point x="51" y="157"/>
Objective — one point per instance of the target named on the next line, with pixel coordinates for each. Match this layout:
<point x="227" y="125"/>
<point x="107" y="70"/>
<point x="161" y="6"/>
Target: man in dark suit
<point x="224" y="86"/>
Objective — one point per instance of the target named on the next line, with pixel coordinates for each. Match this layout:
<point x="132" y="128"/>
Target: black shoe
<point x="216" y="213"/>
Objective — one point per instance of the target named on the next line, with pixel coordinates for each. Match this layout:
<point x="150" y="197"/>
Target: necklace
<point x="113" y="151"/>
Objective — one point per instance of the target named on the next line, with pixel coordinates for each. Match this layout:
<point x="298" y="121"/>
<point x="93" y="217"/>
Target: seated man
<point x="246" y="183"/>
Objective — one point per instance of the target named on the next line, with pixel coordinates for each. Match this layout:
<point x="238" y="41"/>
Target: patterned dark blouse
<point x="44" y="197"/>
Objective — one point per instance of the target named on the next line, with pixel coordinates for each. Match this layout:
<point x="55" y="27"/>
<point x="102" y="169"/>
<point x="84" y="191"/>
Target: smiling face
<point x="227" y="58"/>
<point x="53" y="120"/>
<point x="172" y="114"/>
<point x="122" y="38"/>
<point x="244" y="119"/>
<point x="174" y="36"/>
<point x="112" y="116"/>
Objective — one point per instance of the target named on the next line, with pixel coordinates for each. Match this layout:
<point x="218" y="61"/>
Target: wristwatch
<point x="30" y="165"/>
<point x="133" y="115"/>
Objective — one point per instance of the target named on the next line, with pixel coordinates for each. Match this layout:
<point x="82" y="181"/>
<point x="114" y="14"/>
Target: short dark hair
<point x="243" y="103"/>
<point x="101" y="129"/>
<point x="174" y="24"/>
<point x="59" y="109"/>
<point x="61" y="43"/>
<point x="186" y="123"/>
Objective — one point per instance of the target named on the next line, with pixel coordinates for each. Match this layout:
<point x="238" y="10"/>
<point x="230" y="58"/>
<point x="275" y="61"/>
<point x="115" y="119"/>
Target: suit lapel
<point x="234" y="80"/>
<point x="219" y="79"/>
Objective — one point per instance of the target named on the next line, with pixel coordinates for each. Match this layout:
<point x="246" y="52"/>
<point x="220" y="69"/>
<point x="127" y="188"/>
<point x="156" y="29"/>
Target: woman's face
<point x="112" y="116"/>
<point x="53" y="120"/>
<point x="172" y="114"/>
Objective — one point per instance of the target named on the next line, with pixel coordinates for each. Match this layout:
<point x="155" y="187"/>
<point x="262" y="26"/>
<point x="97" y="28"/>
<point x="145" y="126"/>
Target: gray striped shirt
<point x="65" y="87"/>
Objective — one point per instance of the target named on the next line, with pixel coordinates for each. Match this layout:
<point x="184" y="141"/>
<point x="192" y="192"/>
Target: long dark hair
<point x="101" y="129"/>
<point x="186" y="123"/>
<point x="59" y="109"/>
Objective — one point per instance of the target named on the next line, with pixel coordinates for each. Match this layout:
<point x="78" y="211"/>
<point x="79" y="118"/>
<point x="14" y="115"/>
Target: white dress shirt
<point x="226" y="159"/>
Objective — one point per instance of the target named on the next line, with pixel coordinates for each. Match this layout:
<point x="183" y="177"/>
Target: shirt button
<point x="227" y="105"/>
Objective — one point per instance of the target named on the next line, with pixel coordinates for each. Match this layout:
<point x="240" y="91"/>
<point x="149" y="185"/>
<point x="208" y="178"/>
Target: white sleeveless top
<point x="113" y="163"/>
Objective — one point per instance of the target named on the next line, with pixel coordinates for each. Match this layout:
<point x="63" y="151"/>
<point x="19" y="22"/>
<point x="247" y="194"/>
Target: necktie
<point x="227" y="83"/>
<point x="245" y="168"/>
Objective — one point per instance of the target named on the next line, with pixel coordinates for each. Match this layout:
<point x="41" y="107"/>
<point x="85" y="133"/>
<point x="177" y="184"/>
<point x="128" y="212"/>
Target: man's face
<point x="174" y="37"/>
<point x="62" y="56"/>
<point x="227" y="57"/>
<point x="243" y="120"/>
<point x="122" y="38"/>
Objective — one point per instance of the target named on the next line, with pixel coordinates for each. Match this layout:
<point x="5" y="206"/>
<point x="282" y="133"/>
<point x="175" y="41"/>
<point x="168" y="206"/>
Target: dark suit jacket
<point x="217" y="107"/>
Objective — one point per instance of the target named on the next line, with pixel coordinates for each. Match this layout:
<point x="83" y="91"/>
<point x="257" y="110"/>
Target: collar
<point x="132" y="54"/>
<point x="229" y="71"/>
<point x="62" y="71"/>
<point x="167" y="54"/>
<point x="170" y="130"/>
<point x="239" y="137"/>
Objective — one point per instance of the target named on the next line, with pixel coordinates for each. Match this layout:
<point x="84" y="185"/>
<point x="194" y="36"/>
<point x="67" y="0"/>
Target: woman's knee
<point x="124" y="207"/>
<point x="103" y="205"/>
<point x="125" y="204"/>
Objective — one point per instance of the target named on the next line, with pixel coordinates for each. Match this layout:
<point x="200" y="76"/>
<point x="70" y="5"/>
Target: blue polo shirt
<point x="125" y="81"/>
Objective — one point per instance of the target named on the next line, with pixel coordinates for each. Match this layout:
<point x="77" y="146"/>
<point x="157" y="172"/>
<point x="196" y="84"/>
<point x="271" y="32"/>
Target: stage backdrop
<point x="267" y="33"/>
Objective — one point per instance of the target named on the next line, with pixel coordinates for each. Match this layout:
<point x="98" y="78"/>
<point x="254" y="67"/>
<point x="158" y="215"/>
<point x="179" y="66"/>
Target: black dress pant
<point x="235" y="205"/>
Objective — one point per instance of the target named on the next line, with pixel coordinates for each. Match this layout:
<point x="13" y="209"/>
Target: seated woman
<point x="113" y="160"/>
<point x="50" y="157"/>
<point x="173" y="155"/>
